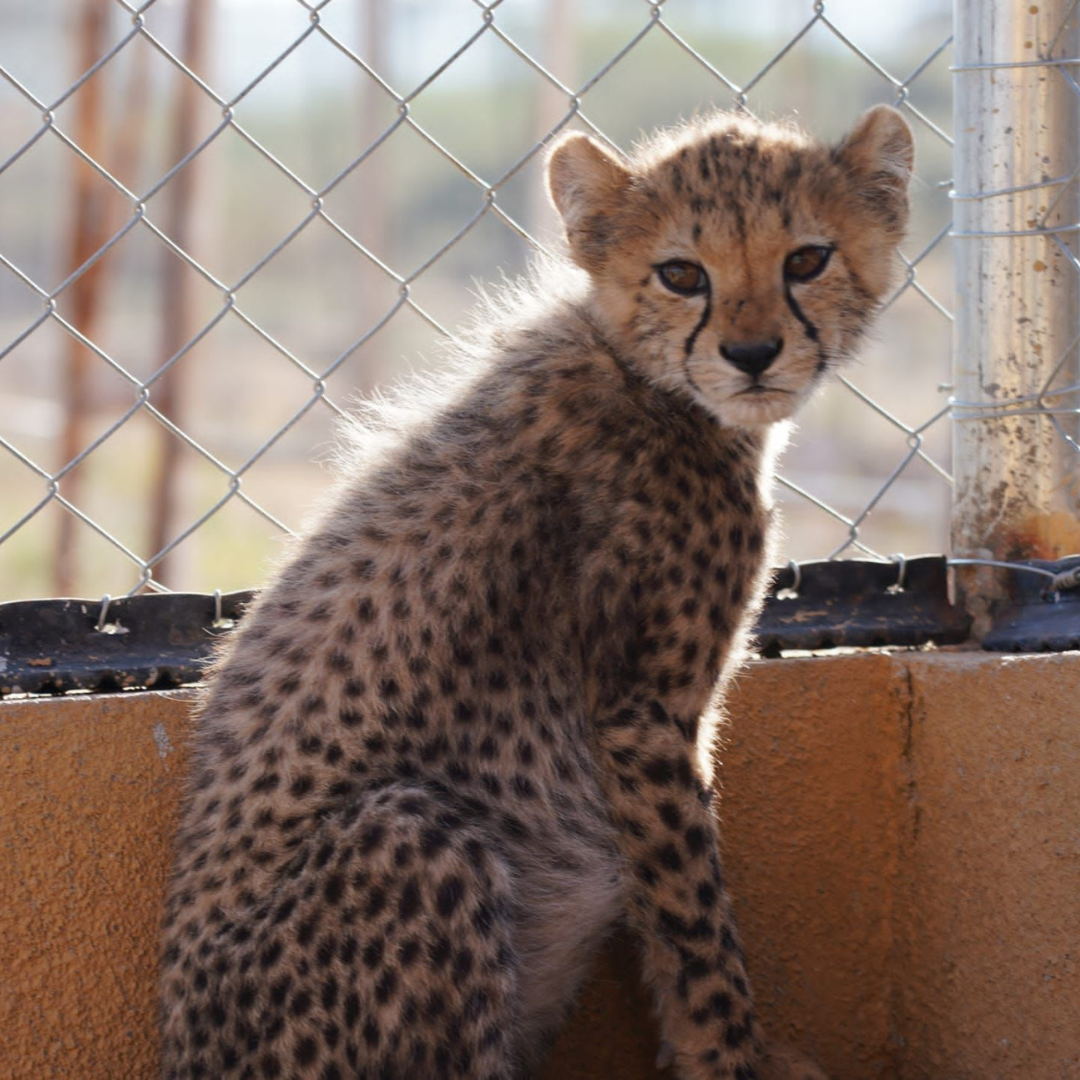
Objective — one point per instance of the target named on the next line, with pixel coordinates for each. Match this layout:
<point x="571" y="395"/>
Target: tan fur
<point x="468" y="724"/>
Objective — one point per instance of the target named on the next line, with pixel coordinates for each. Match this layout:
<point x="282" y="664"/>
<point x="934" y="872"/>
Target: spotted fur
<point x="469" y="724"/>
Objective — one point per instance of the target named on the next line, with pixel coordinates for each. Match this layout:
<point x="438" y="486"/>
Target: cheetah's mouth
<point x="758" y="389"/>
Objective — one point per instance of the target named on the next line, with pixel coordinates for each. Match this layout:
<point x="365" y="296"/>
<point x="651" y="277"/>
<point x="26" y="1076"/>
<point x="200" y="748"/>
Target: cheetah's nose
<point x="752" y="357"/>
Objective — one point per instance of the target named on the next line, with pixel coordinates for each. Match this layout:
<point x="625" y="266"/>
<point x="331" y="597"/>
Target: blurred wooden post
<point x="167" y="394"/>
<point x="88" y="234"/>
<point x="561" y="59"/>
<point x="371" y="281"/>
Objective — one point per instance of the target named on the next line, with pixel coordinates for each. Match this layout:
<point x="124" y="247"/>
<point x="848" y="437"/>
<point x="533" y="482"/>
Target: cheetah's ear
<point x="586" y="182"/>
<point x="880" y="154"/>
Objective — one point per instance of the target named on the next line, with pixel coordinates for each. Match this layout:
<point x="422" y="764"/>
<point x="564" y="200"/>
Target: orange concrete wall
<point x="902" y="835"/>
<point x="988" y="956"/>
<point x="87" y="799"/>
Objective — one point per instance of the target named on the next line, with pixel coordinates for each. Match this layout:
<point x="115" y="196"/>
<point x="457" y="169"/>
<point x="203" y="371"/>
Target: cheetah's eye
<point x="807" y="262"/>
<point x="685" y="278"/>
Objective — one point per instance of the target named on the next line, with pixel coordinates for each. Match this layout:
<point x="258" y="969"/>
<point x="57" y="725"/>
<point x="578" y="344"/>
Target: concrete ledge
<point x="902" y="835"/>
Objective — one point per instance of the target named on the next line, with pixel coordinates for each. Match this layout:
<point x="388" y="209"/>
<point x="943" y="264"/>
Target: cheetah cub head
<point x="735" y="261"/>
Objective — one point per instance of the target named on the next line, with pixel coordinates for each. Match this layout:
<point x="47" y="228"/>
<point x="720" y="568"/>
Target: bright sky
<point x="426" y="32"/>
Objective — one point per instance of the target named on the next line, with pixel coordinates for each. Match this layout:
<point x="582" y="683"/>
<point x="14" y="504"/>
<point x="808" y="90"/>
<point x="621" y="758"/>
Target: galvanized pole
<point x="1016" y="367"/>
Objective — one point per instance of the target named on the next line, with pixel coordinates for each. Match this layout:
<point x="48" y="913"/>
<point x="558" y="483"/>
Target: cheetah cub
<point x="468" y="726"/>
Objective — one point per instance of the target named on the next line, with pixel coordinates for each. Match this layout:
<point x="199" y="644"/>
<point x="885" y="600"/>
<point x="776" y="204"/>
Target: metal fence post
<point x="1016" y="371"/>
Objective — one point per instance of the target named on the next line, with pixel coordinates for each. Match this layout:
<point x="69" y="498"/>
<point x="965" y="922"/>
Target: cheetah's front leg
<point x="661" y="807"/>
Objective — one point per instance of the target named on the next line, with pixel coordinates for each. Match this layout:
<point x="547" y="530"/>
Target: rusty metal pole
<point x="1017" y="204"/>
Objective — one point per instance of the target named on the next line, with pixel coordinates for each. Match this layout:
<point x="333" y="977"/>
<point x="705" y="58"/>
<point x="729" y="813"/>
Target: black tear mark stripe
<point x="688" y="348"/>
<point x="808" y="326"/>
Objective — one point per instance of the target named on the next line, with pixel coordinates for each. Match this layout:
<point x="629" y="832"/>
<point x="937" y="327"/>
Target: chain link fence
<point x="239" y="216"/>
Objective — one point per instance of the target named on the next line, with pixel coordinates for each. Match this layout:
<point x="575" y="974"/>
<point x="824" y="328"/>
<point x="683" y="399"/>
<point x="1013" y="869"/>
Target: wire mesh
<point x="347" y="173"/>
